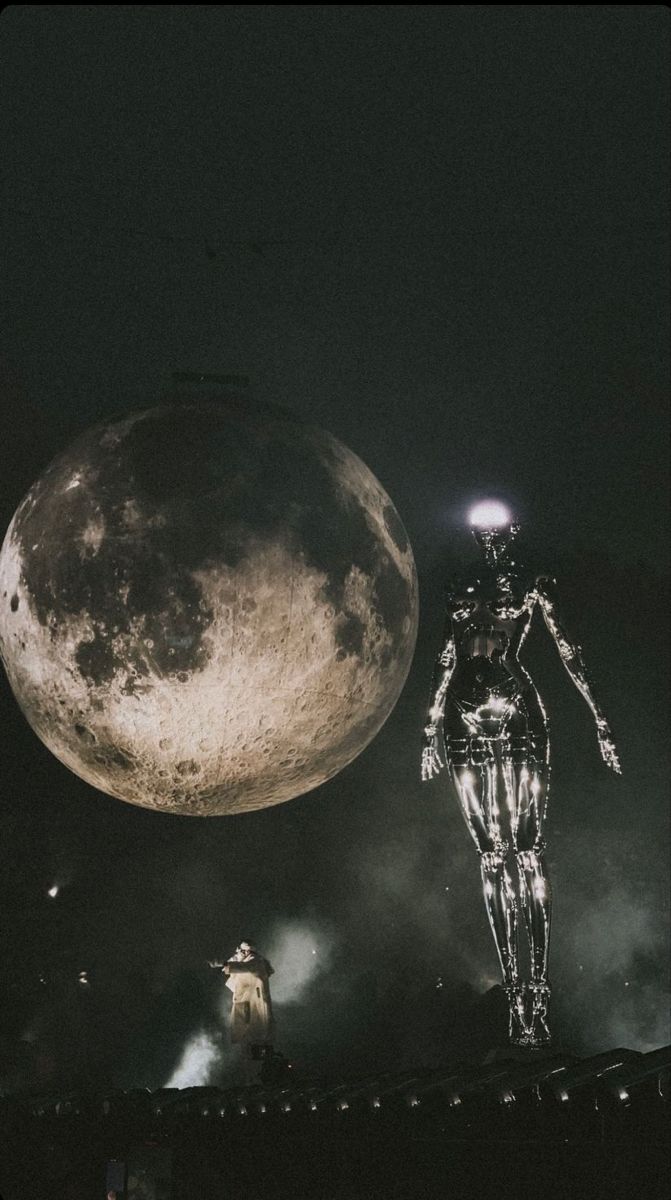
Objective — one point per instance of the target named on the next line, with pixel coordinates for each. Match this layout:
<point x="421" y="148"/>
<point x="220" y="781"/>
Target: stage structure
<point x="495" y="747"/>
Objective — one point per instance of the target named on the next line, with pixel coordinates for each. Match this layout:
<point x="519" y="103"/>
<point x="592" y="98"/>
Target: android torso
<point x="490" y="613"/>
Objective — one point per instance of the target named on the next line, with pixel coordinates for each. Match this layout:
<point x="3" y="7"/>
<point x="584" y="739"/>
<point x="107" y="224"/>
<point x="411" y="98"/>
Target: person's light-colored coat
<point x="251" y="1012"/>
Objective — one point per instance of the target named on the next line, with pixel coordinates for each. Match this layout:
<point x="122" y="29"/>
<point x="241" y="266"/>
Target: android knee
<point x="493" y="856"/>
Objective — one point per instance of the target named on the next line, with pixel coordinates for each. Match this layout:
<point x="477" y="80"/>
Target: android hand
<point x="607" y="747"/>
<point x="432" y="763"/>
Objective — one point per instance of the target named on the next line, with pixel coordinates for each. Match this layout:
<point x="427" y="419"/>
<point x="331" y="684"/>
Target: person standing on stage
<point x="251" y="1015"/>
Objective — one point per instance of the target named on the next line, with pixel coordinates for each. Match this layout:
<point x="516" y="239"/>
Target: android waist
<point x="485" y="699"/>
<point x="478" y="677"/>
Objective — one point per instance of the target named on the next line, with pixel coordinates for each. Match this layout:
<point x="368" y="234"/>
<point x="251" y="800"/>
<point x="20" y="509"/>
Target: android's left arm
<point x="442" y="674"/>
<point x="571" y="656"/>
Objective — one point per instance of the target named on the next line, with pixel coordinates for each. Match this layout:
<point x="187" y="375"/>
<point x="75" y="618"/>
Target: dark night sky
<point x="441" y="232"/>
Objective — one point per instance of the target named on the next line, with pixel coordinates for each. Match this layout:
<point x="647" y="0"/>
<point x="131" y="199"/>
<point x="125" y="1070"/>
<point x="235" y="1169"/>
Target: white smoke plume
<point x="199" y="1058"/>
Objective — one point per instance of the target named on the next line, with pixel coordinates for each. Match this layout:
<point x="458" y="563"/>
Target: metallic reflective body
<point x="496" y="749"/>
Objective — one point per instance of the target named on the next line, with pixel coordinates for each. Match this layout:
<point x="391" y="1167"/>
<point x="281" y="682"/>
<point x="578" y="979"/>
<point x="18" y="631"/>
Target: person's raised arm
<point x="571" y="656"/>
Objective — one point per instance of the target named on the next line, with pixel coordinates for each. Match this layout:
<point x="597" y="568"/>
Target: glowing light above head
<point x="53" y="891"/>
<point x="489" y="514"/>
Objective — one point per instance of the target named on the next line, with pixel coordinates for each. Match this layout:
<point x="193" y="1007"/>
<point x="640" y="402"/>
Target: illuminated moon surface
<point x="207" y="607"/>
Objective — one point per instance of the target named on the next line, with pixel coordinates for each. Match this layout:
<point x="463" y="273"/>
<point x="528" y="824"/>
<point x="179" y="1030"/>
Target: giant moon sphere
<point x="207" y="607"/>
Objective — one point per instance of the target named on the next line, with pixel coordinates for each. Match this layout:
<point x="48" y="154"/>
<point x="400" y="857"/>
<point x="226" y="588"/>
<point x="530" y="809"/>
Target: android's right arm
<point x="442" y="674"/>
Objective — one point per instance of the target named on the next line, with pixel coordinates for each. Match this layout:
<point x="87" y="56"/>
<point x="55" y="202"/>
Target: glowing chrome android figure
<point x="496" y="749"/>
